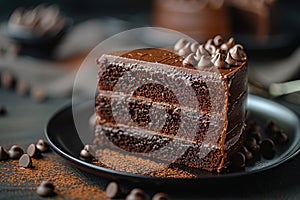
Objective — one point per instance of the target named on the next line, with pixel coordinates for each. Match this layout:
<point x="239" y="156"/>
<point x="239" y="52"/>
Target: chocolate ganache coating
<point x="144" y="103"/>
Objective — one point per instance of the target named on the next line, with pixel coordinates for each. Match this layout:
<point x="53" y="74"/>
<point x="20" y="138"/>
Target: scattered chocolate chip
<point x="134" y="197"/>
<point x="252" y="145"/>
<point x="3" y="111"/>
<point x="15" y="152"/>
<point x="38" y="94"/>
<point x="250" y="160"/>
<point x="268" y="148"/>
<point x="237" y="162"/>
<point x="7" y="79"/>
<point x="271" y="128"/>
<point x="22" y="88"/>
<point x="113" y="190"/>
<point x="45" y="189"/>
<point x="43" y="146"/>
<point x="136" y="194"/>
<point x="25" y="161"/>
<point x="256" y="135"/>
<point x="86" y="153"/>
<point x="89" y="148"/>
<point x="3" y="153"/>
<point x="281" y="138"/>
<point x="275" y="133"/>
<point x="160" y="196"/>
<point x="33" y="151"/>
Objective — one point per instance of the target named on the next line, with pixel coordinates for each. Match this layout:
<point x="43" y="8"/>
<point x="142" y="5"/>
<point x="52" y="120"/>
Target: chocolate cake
<point x="204" y="19"/>
<point x="185" y="104"/>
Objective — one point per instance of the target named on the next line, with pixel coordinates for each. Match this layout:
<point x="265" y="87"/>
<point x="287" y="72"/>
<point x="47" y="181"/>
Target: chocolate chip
<point x="271" y="128"/>
<point x="268" y="148"/>
<point x="86" y="153"/>
<point x="3" y="153"/>
<point x="180" y="44"/>
<point x="45" y="189"/>
<point x="252" y="145"/>
<point x="22" y="88"/>
<point x="43" y="146"/>
<point x="25" y="161"/>
<point x="250" y="160"/>
<point x="33" y="151"/>
<point x="237" y="162"/>
<point x="160" y="196"/>
<point x="7" y="79"/>
<point x="281" y="138"/>
<point x="15" y="152"/>
<point x="134" y="197"/>
<point x="38" y="94"/>
<point x="254" y="131"/>
<point x="218" y="40"/>
<point x="113" y="190"/>
<point x="253" y="126"/>
<point x="256" y="135"/>
<point x="3" y="111"/>
<point x="138" y="192"/>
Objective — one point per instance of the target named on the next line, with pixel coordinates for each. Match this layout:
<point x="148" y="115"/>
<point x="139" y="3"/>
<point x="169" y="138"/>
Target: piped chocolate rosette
<point x="215" y="52"/>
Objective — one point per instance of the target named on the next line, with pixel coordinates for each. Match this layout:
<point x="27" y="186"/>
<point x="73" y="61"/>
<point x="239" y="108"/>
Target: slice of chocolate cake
<point x="185" y="104"/>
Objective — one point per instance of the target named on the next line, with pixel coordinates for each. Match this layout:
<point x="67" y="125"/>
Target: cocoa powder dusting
<point x="67" y="184"/>
<point x="137" y="165"/>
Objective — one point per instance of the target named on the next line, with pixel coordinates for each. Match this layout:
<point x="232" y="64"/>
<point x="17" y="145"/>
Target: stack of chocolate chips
<point x="255" y="146"/>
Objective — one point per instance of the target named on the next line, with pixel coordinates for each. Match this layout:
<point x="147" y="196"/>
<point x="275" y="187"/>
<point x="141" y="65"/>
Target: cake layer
<point x="165" y="119"/>
<point x="150" y="145"/>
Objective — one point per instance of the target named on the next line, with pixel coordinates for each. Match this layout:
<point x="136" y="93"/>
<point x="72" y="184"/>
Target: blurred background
<point x="42" y="43"/>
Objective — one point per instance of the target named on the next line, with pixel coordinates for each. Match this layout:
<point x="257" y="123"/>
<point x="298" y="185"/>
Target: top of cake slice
<point x="226" y="56"/>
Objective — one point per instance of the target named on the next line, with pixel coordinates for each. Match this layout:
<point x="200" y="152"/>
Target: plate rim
<point x="97" y="170"/>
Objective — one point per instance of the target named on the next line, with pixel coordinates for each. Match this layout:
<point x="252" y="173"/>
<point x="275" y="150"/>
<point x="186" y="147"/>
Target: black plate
<point x="63" y="138"/>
